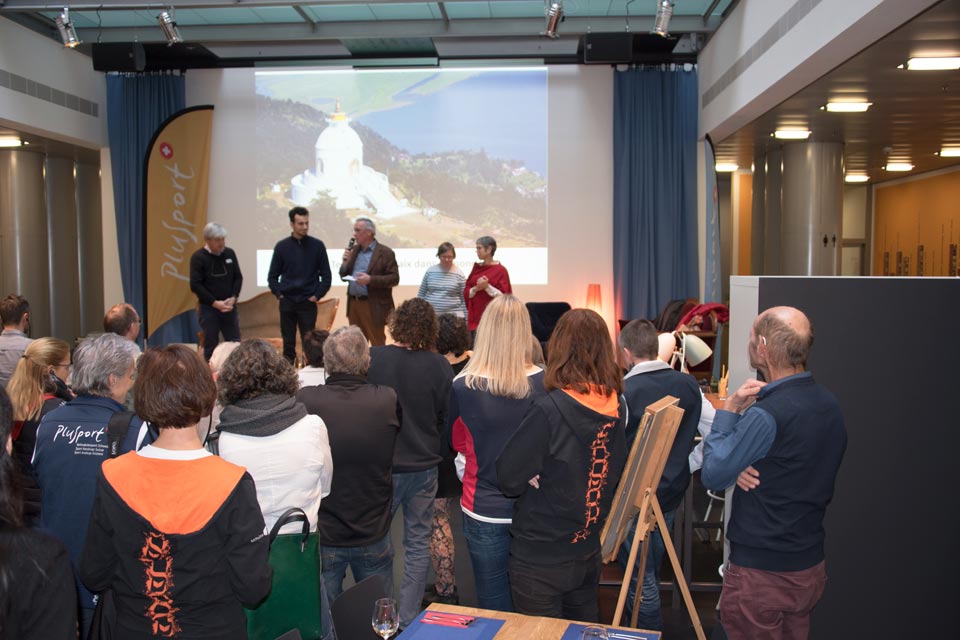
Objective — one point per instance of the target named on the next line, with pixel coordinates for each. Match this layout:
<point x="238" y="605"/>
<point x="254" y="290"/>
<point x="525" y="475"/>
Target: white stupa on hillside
<point x="342" y="176"/>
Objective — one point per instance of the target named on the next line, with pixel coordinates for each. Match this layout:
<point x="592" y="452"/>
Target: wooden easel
<point x="637" y="496"/>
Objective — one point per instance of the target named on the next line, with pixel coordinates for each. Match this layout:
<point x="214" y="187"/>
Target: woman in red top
<point x="488" y="279"/>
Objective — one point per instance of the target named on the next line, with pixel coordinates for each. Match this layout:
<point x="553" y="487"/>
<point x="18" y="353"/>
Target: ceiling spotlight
<point x="848" y="107"/>
<point x="898" y="166"/>
<point x="168" y="24"/>
<point x="67" y="32"/>
<point x="932" y="64"/>
<point x="8" y="141"/>
<point x="726" y="167"/>
<point x="856" y="177"/>
<point x="554" y="18"/>
<point x="950" y="152"/>
<point x="791" y="134"/>
<point x="661" y="26"/>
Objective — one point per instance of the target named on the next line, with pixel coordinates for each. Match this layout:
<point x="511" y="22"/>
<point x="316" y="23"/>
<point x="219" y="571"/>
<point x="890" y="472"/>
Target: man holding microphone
<point x="370" y="270"/>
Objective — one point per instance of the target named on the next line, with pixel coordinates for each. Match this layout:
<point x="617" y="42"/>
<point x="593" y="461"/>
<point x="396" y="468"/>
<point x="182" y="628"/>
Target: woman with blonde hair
<point x="36" y="387"/>
<point x="487" y="403"/>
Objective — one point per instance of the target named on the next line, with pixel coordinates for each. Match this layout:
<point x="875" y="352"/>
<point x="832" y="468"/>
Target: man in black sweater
<point x="215" y="279"/>
<point x="363" y="422"/>
<point x="299" y="276"/>
<point x="788" y="444"/>
<point x="649" y="380"/>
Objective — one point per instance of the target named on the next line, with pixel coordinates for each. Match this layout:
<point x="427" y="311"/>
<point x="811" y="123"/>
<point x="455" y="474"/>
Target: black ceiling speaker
<point x="152" y="56"/>
<point x="118" y="56"/>
<point x="626" y="48"/>
<point x="607" y="48"/>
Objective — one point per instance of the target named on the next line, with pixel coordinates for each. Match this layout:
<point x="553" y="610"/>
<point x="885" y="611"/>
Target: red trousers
<point x="768" y="605"/>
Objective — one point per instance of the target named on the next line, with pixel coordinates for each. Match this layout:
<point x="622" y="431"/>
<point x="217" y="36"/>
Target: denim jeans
<point x="415" y="492"/>
<point x="489" y="546"/>
<point x="374" y="559"/>
<point x="649" y="616"/>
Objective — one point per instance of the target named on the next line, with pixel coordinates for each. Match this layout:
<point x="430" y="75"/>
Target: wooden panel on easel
<point x="645" y="464"/>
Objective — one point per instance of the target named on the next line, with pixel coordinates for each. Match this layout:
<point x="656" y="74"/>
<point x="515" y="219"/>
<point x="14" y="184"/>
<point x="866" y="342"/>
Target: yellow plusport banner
<point x="175" y="211"/>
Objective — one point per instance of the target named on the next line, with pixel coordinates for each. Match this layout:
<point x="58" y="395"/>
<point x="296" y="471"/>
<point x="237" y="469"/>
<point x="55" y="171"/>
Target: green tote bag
<point x="294" y="600"/>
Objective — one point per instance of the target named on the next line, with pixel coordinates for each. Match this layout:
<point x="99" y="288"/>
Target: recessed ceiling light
<point x="848" y="107"/>
<point x="726" y="167"/>
<point x="856" y="177"/>
<point x="950" y="152"/>
<point x="791" y="134"/>
<point x="10" y="141"/>
<point x="933" y="64"/>
<point x="898" y="166"/>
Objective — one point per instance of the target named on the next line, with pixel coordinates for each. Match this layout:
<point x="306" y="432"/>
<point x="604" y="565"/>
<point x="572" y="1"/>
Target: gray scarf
<point x="262" y="416"/>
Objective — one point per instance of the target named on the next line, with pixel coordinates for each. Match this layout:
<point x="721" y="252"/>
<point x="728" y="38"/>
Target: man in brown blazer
<point x="370" y="269"/>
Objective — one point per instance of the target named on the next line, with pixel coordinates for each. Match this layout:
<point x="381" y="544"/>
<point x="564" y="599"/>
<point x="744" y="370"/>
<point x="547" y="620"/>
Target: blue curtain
<point x="137" y="104"/>
<point x="655" y="257"/>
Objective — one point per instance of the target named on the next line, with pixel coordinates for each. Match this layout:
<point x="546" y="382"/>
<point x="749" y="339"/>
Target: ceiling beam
<point x="107" y="5"/>
<point x="382" y="29"/>
<point x="306" y="18"/>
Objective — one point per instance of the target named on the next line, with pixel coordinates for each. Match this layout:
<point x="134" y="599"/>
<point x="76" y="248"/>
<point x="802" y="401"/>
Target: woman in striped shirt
<point x="443" y="284"/>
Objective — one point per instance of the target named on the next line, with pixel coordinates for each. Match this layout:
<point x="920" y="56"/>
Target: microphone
<point x="350" y="244"/>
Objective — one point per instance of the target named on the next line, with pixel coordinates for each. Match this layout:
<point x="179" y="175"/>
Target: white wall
<point x="42" y="60"/>
<point x="580" y="187"/>
<point x="802" y="50"/>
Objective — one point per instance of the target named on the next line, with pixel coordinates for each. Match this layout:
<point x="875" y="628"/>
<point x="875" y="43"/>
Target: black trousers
<point x="213" y="323"/>
<point x="566" y="588"/>
<point x="293" y="315"/>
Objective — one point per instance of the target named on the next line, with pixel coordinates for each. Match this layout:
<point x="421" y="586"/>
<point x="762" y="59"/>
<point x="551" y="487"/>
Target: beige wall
<point x="913" y="213"/>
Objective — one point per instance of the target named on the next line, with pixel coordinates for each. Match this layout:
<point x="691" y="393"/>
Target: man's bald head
<point x="123" y="320"/>
<point x="787" y="334"/>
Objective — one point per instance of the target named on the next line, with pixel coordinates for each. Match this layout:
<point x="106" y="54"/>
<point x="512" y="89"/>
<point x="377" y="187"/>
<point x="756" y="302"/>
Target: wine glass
<point x="386" y="618"/>
<point x="594" y="633"/>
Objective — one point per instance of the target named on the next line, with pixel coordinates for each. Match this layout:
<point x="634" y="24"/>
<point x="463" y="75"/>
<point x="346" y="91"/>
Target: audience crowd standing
<point x="134" y="509"/>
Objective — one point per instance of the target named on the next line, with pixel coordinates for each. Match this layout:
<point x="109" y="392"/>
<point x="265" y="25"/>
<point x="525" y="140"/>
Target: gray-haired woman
<point x="72" y="443"/>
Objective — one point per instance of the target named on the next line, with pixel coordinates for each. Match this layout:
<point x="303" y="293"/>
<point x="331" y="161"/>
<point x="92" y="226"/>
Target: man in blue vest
<point x="788" y="437"/>
<point x="649" y="380"/>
